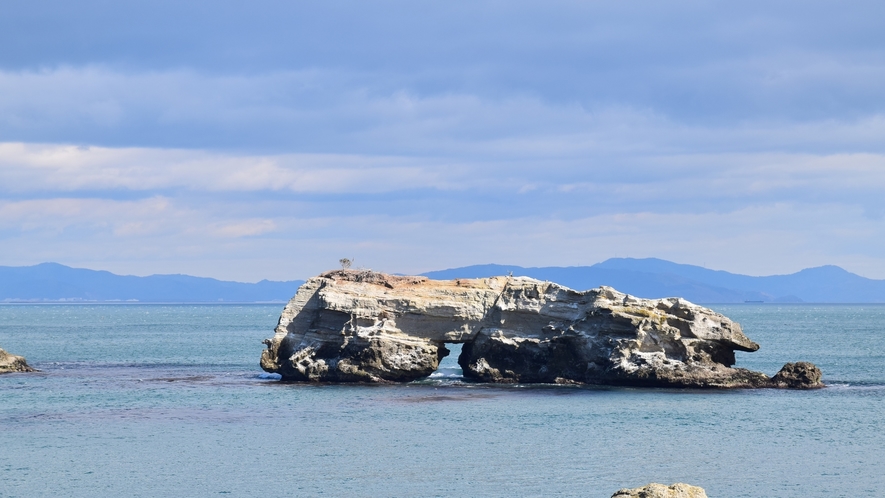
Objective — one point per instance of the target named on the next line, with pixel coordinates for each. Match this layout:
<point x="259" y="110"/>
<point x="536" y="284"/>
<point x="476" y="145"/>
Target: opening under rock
<point x="448" y="367"/>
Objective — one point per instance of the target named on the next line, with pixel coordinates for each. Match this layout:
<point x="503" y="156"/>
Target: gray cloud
<point x="695" y="61"/>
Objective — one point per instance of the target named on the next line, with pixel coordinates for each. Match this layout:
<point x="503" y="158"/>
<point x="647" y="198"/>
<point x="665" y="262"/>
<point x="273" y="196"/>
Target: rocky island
<point x="12" y="363"/>
<point x="364" y="326"/>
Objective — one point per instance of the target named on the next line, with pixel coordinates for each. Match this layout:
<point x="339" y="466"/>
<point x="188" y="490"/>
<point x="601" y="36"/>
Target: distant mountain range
<point x="650" y="278"/>
<point x="52" y="282"/>
<point x="655" y="278"/>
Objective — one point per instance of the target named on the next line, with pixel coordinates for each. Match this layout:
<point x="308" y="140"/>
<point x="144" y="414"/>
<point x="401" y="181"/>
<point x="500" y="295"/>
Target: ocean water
<point x="168" y="400"/>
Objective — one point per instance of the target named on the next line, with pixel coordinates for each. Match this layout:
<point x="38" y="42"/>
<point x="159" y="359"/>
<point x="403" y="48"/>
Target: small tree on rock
<point x="345" y="263"/>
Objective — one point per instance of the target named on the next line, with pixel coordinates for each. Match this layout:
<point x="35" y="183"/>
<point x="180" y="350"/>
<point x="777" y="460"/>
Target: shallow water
<point x="159" y="400"/>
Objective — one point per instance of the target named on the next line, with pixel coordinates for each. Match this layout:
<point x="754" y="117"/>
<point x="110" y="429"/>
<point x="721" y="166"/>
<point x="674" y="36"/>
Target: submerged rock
<point x="12" y="363"/>
<point x="655" y="490"/>
<point x="352" y="326"/>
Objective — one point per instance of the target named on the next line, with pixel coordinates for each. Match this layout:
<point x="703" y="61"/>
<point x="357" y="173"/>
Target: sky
<point x="268" y="139"/>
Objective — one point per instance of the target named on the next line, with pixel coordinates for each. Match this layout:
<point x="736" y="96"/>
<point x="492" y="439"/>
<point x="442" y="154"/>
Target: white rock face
<point x="346" y="326"/>
<point x="363" y="326"/>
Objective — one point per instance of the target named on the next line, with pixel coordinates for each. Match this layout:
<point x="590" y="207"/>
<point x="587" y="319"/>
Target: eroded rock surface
<point x="352" y="326"/>
<point x="12" y="363"/>
<point x="799" y="375"/>
<point x="655" y="490"/>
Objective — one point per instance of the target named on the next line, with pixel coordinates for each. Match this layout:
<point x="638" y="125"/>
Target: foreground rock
<point x="12" y="363"/>
<point x="361" y="326"/>
<point x="655" y="490"/>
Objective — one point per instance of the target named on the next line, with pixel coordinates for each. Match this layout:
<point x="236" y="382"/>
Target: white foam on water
<point x="446" y="375"/>
<point x="448" y="372"/>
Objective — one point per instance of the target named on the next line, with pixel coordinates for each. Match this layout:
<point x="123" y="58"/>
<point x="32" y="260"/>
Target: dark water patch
<point x="90" y="417"/>
<point x="192" y="378"/>
<point x="71" y="365"/>
<point x="447" y="397"/>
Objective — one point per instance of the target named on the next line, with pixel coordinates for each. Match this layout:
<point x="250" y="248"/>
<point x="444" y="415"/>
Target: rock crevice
<point x="362" y="326"/>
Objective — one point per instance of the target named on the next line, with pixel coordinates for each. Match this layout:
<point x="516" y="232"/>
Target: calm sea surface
<point x="160" y="400"/>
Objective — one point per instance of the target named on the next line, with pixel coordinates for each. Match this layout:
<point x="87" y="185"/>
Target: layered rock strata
<point x="12" y="363"/>
<point x="362" y="326"/>
<point x="655" y="490"/>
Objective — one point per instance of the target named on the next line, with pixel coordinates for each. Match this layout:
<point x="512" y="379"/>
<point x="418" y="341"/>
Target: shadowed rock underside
<point x="363" y="326"/>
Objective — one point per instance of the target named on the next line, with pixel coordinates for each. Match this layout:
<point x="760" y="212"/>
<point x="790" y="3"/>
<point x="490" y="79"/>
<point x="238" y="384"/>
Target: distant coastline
<point x="656" y="278"/>
<point x="60" y="284"/>
<point x="52" y="283"/>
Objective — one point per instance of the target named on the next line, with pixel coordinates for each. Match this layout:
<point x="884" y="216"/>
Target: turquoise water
<point x="157" y="400"/>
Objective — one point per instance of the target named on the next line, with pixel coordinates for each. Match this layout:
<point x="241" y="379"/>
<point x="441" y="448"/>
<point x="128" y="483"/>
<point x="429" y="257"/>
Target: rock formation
<point x="362" y="326"/>
<point x="797" y="375"/>
<point x="655" y="490"/>
<point x="12" y="363"/>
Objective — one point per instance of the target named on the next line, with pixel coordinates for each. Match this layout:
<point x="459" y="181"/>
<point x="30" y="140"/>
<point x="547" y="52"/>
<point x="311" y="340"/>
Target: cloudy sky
<point x="268" y="139"/>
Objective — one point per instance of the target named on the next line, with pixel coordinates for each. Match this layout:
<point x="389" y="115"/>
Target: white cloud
<point x="245" y="228"/>
<point x="405" y="181"/>
<point x="684" y="182"/>
<point x="192" y="211"/>
<point x="158" y="235"/>
<point x="68" y="168"/>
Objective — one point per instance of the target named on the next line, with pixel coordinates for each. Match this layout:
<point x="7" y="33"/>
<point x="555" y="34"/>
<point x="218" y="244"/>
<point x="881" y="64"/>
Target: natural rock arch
<point x="363" y="326"/>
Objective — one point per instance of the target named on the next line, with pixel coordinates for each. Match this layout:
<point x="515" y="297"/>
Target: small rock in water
<point x="655" y="490"/>
<point x="799" y="375"/>
<point x="12" y="363"/>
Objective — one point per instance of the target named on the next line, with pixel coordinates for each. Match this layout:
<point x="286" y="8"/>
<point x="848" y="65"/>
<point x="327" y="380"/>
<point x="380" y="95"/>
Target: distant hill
<point x="650" y="278"/>
<point x="655" y="278"/>
<point x="52" y="282"/>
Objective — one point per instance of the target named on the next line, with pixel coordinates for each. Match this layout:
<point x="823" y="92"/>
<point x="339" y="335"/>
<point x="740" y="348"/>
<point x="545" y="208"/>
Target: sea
<point x="168" y="400"/>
